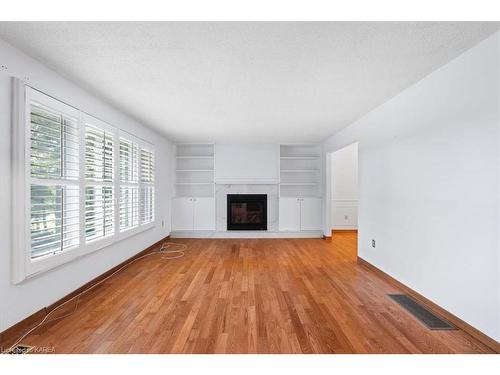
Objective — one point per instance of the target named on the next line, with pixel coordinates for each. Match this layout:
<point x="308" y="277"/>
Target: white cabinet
<point x="299" y="214"/>
<point x="193" y="214"/>
<point x="289" y="214"/>
<point x="310" y="214"/>
<point x="204" y="214"/>
<point x="182" y="214"/>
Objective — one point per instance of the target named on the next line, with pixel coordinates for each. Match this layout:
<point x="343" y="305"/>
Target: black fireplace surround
<point x="247" y="212"/>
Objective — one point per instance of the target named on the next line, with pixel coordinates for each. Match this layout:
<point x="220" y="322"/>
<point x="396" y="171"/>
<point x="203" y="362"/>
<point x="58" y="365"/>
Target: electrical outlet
<point x="346" y="217"/>
<point x="373" y="243"/>
<point x="163" y="223"/>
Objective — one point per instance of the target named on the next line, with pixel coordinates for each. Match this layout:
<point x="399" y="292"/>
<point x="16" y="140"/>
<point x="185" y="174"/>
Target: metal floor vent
<point x="21" y="349"/>
<point x="425" y="316"/>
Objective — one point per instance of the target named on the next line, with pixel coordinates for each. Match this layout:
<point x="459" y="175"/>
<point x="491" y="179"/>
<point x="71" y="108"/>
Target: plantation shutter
<point x="79" y="183"/>
<point x="147" y="166"/>
<point x="54" y="172"/>
<point x="129" y="184"/>
<point x="147" y="186"/>
<point x="99" y="186"/>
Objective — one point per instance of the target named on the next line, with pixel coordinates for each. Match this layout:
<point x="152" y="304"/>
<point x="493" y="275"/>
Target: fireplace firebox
<point x="247" y="212"/>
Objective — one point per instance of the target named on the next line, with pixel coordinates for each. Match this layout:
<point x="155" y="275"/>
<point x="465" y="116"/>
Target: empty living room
<point x="231" y="186"/>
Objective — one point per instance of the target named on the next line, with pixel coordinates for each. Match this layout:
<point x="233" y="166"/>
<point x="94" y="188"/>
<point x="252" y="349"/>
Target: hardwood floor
<point x="248" y="296"/>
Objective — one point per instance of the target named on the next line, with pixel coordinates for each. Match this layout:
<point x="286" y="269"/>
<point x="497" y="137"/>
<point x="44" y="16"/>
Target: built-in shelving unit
<point x="300" y="171"/>
<point x="194" y="173"/>
<point x="299" y="157"/>
<point x="194" y="157"/>
<point x="299" y="183"/>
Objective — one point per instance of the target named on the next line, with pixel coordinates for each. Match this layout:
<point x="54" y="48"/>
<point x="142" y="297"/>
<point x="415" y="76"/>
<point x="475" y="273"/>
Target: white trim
<point x="130" y="137"/>
<point x="299" y="183"/>
<point x="194" y="183"/>
<point x="309" y="157"/>
<point x="40" y="98"/>
<point x="343" y="203"/>
<point x="94" y="121"/>
<point x="194" y="157"/>
<point x="116" y="182"/>
<point x="195" y="144"/>
<point x="52" y="182"/>
<point x="82" y="181"/>
<point x="97" y="244"/>
<point x="135" y="230"/>
<point x="344" y="227"/>
<point x="235" y="181"/>
<point x="43" y="264"/>
<point x="300" y="171"/>
<point x="245" y="234"/>
<point x="26" y="251"/>
<point x="18" y="181"/>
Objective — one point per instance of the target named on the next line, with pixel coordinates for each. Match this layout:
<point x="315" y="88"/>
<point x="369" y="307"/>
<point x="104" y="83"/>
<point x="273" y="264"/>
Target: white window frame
<point x="142" y="145"/>
<point x="102" y="242"/>
<point x="23" y="267"/>
<point x="147" y="184"/>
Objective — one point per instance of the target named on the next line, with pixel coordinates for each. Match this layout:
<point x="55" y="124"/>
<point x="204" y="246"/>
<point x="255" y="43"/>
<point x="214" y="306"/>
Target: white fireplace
<point x="222" y="190"/>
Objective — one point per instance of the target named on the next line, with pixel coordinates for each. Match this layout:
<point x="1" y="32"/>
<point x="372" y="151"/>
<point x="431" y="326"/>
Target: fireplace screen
<point x="247" y="212"/>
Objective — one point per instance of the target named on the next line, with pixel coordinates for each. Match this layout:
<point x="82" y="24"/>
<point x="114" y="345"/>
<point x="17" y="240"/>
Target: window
<point x="147" y="186"/>
<point x="80" y="185"/>
<point x="129" y="184"/>
<point x="54" y="162"/>
<point x="99" y="181"/>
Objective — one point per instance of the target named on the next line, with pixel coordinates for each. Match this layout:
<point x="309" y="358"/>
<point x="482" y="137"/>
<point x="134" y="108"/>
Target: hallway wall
<point x="344" y="188"/>
<point x="429" y="186"/>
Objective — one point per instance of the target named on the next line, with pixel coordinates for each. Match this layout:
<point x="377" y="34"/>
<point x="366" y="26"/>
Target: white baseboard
<point x="338" y="227"/>
<point x="244" y="234"/>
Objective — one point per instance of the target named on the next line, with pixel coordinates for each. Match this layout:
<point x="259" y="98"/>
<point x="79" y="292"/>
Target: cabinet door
<point x="289" y="214"/>
<point x="310" y="214"/>
<point x="182" y="214"/>
<point x="204" y="213"/>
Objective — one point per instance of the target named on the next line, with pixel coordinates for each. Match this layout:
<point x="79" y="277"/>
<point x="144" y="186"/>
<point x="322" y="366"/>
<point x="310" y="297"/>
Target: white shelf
<point x="194" y="170"/>
<point x="195" y="157"/>
<point x="299" y="157"/>
<point x="226" y="181"/>
<point x="194" y="183"/>
<point x="299" y="183"/>
<point x="300" y="170"/>
<point x="300" y="196"/>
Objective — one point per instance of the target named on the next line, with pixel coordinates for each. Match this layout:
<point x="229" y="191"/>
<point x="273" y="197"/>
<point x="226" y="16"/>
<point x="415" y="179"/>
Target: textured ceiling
<point x="245" y="81"/>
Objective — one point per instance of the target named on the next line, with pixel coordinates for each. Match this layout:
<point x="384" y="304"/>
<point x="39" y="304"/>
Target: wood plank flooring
<point x="247" y="296"/>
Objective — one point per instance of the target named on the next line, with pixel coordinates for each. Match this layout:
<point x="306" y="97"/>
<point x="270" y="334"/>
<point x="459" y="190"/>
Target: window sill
<point x="41" y="266"/>
<point x="131" y="232"/>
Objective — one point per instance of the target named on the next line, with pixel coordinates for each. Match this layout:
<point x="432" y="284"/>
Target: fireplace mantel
<point x="235" y="181"/>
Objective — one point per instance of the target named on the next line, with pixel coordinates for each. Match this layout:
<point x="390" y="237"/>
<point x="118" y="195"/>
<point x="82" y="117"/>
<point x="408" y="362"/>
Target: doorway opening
<point x="343" y="190"/>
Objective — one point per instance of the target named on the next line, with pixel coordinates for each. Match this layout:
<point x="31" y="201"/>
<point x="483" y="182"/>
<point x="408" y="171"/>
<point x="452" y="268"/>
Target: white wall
<point x="243" y="162"/>
<point x="344" y="188"/>
<point x="429" y="186"/>
<point x="19" y="301"/>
